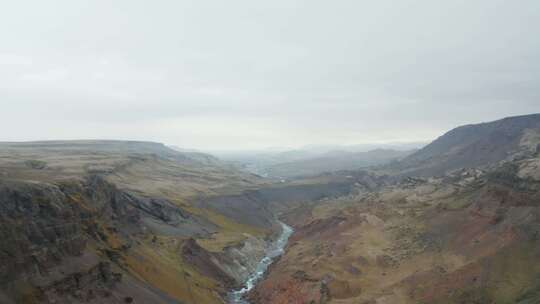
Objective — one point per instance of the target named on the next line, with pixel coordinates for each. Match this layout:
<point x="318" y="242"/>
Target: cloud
<point x="245" y="74"/>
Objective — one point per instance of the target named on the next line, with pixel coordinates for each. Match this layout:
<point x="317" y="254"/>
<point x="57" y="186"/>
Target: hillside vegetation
<point x="470" y="234"/>
<point x="113" y="222"/>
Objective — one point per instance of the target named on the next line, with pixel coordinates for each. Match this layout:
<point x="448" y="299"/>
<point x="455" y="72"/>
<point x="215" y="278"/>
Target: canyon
<point x="138" y="222"/>
<point x="122" y="222"/>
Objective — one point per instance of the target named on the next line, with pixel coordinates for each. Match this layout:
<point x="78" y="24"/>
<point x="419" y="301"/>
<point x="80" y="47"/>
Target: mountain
<point x="475" y="145"/>
<point x="317" y="159"/>
<point x="457" y="222"/>
<point x="334" y="161"/>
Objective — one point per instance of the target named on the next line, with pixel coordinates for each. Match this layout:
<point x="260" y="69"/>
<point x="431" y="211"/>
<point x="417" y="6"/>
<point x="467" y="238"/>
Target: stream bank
<point x="275" y="250"/>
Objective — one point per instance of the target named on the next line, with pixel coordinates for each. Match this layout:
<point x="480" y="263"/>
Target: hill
<point x="475" y="145"/>
<point x="461" y="235"/>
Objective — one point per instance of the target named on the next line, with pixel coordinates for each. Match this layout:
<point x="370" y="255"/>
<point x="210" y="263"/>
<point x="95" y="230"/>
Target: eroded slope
<point x="470" y="235"/>
<point x="120" y="222"/>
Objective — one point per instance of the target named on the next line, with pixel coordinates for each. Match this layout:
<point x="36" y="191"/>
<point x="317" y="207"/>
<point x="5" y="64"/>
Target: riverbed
<point x="275" y="250"/>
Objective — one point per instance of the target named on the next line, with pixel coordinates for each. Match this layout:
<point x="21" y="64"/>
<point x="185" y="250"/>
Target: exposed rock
<point x="206" y="262"/>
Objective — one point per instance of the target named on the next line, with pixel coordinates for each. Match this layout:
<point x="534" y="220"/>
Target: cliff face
<point x="102" y="222"/>
<point x="79" y="241"/>
<point x="58" y="240"/>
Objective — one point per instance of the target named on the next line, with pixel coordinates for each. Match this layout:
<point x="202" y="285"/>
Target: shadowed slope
<point x="475" y="145"/>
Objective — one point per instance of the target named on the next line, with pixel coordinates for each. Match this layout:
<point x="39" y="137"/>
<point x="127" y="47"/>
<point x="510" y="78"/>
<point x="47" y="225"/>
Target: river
<point x="275" y="250"/>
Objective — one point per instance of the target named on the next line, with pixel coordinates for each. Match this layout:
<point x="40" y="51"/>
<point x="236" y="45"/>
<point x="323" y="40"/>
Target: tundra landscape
<point x="115" y="221"/>
<point x="270" y="152"/>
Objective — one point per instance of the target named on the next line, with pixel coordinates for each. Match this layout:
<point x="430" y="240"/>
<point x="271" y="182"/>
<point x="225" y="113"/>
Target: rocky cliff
<point x="119" y="222"/>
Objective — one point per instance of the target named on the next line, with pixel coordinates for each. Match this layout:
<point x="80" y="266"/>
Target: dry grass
<point x="230" y="233"/>
<point x="418" y="244"/>
<point x="165" y="270"/>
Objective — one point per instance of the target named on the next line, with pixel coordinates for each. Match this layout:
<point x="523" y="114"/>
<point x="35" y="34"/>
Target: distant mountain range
<point x="317" y="159"/>
<point x="335" y="161"/>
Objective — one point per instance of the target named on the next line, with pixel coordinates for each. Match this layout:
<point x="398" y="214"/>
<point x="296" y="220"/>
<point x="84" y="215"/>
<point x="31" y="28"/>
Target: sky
<point x="245" y="74"/>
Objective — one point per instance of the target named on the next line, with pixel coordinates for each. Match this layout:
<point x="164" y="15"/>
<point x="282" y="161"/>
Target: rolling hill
<point x="475" y="145"/>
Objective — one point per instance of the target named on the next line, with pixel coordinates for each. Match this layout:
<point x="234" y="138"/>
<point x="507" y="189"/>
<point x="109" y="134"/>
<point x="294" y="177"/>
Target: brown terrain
<point x="131" y="222"/>
<point x="117" y="222"/>
<point x="456" y="222"/>
<point x="137" y="222"/>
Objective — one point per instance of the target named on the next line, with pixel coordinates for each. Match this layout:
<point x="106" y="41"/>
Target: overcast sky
<point x="252" y="74"/>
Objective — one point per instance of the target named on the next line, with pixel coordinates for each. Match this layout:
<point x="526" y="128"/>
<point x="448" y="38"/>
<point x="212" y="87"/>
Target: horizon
<point x="357" y="147"/>
<point x="244" y="75"/>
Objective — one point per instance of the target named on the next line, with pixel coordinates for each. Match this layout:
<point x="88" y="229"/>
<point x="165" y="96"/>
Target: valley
<point x="138" y="222"/>
<point x="273" y="252"/>
<point x="121" y="222"/>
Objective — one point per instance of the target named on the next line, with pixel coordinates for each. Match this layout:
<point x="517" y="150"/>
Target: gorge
<point x="137" y="222"/>
<point x="275" y="250"/>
